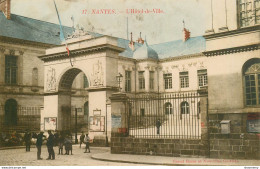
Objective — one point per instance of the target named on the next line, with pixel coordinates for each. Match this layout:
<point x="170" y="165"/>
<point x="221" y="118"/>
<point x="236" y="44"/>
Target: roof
<point x="145" y="52"/>
<point x="178" y="48"/>
<point x="168" y="49"/>
<point x="21" y="27"/>
<point x="24" y="28"/>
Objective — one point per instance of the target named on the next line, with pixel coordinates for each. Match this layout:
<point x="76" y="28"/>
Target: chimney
<point x="5" y="7"/>
<point x="186" y="34"/>
<point x="140" y="40"/>
<point x="132" y="43"/>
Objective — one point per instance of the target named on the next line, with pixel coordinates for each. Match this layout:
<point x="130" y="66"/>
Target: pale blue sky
<point x="156" y="27"/>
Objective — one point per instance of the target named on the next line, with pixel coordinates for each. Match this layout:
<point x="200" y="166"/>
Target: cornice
<point x="182" y="57"/>
<point x="16" y="41"/>
<point x="233" y="32"/>
<point x="76" y="52"/>
<point x="232" y="50"/>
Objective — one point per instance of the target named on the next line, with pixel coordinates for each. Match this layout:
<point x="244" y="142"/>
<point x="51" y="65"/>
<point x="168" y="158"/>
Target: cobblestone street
<point x="18" y="157"/>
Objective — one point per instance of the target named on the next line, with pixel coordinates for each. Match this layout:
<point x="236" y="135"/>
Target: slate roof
<point x="144" y="52"/>
<point x="168" y="49"/>
<point x="21" y="27"/>
<point x="24" y="28"/>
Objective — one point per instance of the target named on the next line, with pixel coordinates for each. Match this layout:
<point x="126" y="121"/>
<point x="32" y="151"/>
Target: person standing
<point x="158" y="125"/>
<point x="61" y="143"/>
<point x="39" y="145"/>
<point x="81" y="139"/>
<point x="50" y="144"/>
<point x="87" y="140"/>
<point x="27" y="140"/>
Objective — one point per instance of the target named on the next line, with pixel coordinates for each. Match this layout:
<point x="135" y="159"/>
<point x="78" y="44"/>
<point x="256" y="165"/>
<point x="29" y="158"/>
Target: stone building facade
<point x="212" y="80"/>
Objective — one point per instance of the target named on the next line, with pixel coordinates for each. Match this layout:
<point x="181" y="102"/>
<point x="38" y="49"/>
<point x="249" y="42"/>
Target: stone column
<point x="119" y="113"/>
<point x="205" y="149"/>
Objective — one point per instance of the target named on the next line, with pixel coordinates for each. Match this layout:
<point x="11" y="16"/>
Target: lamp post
<point x="76" y="123"/>
<point x="119" y="80"/>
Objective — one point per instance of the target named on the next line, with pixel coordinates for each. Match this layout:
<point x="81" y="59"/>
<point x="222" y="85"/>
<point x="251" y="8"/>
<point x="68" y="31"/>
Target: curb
<point x="133" y="162"/>
<point x="107" y="157"/>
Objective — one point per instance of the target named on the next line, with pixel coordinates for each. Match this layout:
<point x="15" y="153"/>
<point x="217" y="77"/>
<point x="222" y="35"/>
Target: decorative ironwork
<point x="174" y="115"/>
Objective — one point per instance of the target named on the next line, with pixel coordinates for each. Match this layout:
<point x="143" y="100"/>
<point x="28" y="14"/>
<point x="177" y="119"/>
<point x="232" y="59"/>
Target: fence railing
<point x="171" y="115"/>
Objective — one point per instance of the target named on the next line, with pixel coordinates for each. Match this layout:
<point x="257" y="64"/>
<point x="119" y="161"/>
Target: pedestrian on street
<point x="87" y="140"/>
<point x="81" y="139"/>
<point x="158" y="125"/>
<point x="39" y="144"/>
<point x="61" y="143"/>
<point x="27" y="140"/>
<point x="56" y="137"/>
<point x="68" y="145"/>
<point x="50" y="144"/>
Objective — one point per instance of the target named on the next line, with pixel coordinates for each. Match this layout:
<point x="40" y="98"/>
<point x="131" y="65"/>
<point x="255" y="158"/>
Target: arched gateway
<point x="94" y="57"/>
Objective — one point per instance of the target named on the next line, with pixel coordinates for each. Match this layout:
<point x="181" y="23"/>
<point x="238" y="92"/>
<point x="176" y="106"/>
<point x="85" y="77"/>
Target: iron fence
<point x="167" y="115"/>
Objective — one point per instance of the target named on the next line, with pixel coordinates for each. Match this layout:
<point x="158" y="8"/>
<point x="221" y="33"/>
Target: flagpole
<point x="62" y="38"/>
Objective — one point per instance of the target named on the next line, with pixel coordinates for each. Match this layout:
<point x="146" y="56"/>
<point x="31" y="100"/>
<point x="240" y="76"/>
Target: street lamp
<point x="76" y="123"/>
<point x="119" y="80"/>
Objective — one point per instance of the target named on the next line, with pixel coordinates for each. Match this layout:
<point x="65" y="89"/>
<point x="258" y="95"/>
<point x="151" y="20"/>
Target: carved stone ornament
<point x="77" y="33"/>
<point x="21" y="52"/>
<point x="12" y="52"/>
<point x="2" y="50"/>
<point x="51" y="79"/>
<point x="97" y="74"/>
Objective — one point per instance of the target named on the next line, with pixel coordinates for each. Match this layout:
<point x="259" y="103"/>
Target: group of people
<point x="60" y="139"/>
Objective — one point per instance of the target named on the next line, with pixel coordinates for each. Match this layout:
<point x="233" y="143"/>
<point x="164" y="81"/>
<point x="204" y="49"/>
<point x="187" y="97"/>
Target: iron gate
<point x="167" y="115"/>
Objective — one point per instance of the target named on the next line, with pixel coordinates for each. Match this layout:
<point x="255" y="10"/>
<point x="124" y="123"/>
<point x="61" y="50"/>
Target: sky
<point x="163" y="26"/>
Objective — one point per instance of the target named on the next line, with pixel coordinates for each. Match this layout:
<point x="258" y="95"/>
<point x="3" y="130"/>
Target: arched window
<point x="252" y="82"/>
<point x="185" y="108"/>
<point x="168" y="108"/>
<point x="11" y="112"/>
<point x="35" y="77"/>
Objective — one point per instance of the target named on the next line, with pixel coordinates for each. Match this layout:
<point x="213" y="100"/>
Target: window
<point x="85" y="81"/>
<point x="10" y="69"/>
<point x="35" y="77"/>
<point x="11" y="112"/>
<point x="168" y="108"/>
<point x="141" y="80"/>
<point x="185" y="108"/>
<point x="167" y="80"/>
<point x="252" y="84"/>
<point x="249" y="12"/>
<point x="142" y="111"/>
<point x="128" y="81"/>
<point x="203" y="78"/>
<point x="184" y="79"/>
<point x="151" y="80"/>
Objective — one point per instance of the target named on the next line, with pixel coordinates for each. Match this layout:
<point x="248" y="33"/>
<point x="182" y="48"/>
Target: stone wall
<point x="239" y="144"/>
<point x="164" y="147"/>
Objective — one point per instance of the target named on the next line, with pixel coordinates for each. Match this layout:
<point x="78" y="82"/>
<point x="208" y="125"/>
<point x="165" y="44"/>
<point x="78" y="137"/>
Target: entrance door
<point x="11" y="112"/>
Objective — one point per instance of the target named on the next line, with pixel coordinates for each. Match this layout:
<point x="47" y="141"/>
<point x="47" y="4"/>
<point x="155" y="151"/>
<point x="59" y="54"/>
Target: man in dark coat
<point x="50" y="144"/>
<point x="27" y="140"/>
<point x="39" y="145"/>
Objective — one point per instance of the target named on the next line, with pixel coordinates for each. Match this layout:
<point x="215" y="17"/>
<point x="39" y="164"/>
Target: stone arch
<point x="67" y="77"/>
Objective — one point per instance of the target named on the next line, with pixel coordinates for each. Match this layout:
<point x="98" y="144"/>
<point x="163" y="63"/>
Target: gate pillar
<point x="204" y="121"/>
<point x="119" y="113"/>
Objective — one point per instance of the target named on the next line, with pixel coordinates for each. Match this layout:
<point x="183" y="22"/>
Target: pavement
<point x="104" y="157"/>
